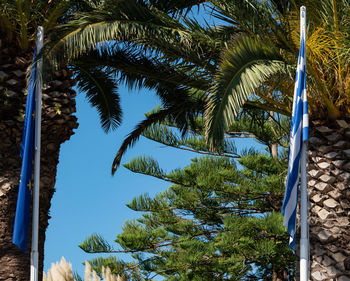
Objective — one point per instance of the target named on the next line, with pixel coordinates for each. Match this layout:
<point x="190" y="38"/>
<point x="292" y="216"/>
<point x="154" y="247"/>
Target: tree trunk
<point x="329" y="194"/>
<point x="57" y="127"/>
<point x="274" y="151"/>
<point x="274" y="146"/>
<point x="278" y="275"/>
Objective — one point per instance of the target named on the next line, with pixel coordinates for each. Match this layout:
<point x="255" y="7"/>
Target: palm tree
<point x="264" y="54"/>
<point x="18" y="22"/>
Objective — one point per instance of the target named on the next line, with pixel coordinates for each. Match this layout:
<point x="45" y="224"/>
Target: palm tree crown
<point x="260" y="64"/>
<point x="19" y="21"/>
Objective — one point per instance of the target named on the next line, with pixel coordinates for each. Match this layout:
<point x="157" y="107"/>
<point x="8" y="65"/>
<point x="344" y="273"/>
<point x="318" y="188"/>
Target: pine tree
<point x="219" y="220"/>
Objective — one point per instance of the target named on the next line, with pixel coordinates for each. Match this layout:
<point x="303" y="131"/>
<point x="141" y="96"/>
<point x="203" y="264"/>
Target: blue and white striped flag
<point x="298" y="135"/>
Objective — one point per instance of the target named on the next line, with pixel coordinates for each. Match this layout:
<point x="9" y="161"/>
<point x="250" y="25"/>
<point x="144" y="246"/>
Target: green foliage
<point x="277" y="32"/>
<point x="179" y="108"/>
<point x="117" y="267"/>
<point x="194" y="67"/>
<point x="219" y="220"/>
<point x="101" y="42"/>
<point x="245" y="65"/>
<point x="266" y="127"/>
<point x="145" y="165"/>
<point x="244" y="55"/>
<point x="19" y="21"/>
<point x="96" y="244"/>
<point x="101" y="91"/>
<point x="235" y="60"/>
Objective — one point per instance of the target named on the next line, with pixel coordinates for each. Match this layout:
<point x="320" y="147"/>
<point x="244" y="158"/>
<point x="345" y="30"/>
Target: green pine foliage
<point x="219" y="220"/>
<point x="255" y="123"/>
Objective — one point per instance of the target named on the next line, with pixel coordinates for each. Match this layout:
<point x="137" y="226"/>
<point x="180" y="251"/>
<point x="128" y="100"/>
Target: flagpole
<point x="304" y="239"/>
<point x="34" y="257"/>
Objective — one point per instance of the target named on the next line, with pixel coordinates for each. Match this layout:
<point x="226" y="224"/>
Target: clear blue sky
<point x="88" y="199"/>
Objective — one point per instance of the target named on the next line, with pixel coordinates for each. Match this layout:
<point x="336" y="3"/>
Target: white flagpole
<point x="34" y="256"/>
<point x="304" y="239"/>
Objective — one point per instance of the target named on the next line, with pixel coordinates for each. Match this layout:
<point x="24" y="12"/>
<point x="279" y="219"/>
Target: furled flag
<point x="21" y="224"/>
<point x="298" y="135"/>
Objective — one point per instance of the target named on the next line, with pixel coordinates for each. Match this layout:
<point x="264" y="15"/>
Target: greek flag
<point x="21" y="224"/>
<point x="298" y="135"/>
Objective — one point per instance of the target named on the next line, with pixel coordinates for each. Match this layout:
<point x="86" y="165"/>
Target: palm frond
<point x="23" y="22"/>
<point x="127" y="21"/>
<point x="100" y="88"/>
<point x="253" y="17"/>
<point x="180" y="113"/>
<point x="244" y="67"/>
<point x="55" y="14"/>
<point x="138" y="69"/>
<point x="177" y="6"/>
<point x="132" y="138"/>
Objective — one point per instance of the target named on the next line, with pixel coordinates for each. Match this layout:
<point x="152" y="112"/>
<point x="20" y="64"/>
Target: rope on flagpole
<point x="34" y="256"/>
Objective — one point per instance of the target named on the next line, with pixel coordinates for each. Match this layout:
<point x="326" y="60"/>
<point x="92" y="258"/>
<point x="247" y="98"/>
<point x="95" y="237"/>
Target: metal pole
<point x="304" y="239"/>
<point x="34" y="256"/>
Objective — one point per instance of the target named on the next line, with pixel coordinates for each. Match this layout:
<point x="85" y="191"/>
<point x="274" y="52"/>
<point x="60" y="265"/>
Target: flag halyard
<point x="298" y="137"/>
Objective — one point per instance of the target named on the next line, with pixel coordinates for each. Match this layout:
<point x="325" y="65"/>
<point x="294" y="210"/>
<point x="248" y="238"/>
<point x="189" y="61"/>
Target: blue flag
<point x="21" y="224"/>
<point x="298" y="135"/>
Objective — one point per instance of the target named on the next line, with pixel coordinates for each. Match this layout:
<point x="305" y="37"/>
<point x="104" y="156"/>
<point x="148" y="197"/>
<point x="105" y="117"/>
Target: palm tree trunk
<point x="329" y="193"/>
<point x="57" y="127"/>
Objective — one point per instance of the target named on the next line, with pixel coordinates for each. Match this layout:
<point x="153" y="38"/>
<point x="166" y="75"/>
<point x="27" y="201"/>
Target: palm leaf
<point x="177" y="6"/>
<point x="246" y="64"/>
<point x="126" y="21"/>
<point x="100" y="88"/>
<point x="179" y="113"/>
<point x="132" y="138"/>
<point x="137" y="69"/>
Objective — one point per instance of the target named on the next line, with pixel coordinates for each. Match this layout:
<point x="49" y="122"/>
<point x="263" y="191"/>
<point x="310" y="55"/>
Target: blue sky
<point x="88" y="199"/>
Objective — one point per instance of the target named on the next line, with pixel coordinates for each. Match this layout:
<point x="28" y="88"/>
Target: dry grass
<point x="62" y="271"/>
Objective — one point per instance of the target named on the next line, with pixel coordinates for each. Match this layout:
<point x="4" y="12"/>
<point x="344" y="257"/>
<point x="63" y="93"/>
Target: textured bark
<point x="329" y="193"/>
<point x="57" y="127"/>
